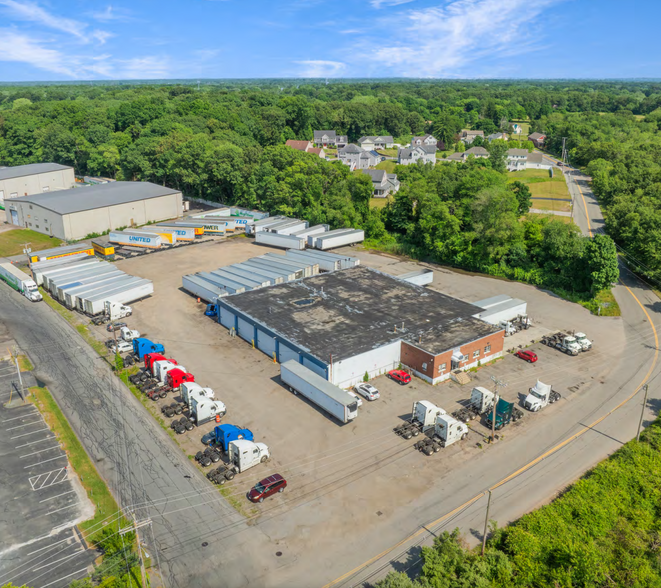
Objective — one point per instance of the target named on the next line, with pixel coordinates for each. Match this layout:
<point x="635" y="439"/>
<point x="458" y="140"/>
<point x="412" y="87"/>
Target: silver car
<point x="367" y="390"/>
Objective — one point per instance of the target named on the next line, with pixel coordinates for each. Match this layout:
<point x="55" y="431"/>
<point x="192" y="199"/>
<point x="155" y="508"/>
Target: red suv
<point x="268" y="486"/>
<point x="399" y="376"/>
<point x="529" y="356"/>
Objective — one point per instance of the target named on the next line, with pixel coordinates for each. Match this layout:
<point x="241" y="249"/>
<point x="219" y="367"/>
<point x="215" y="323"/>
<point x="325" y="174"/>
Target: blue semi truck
<point x="223" y="435"/>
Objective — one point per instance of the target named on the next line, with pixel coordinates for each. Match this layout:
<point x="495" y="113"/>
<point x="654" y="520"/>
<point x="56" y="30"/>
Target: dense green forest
<point x="225" y="142"/>
<point x="604" y="531"/>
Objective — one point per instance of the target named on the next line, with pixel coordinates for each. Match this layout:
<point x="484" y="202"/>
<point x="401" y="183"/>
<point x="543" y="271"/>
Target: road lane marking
<point x="45" y="461"/>
<point x="35" y="452"/>
<point x="84" y="570"/>
<point x="585" y="206"/>
<point x="525" y="467"/>
<point x="30" y="433"/>
<point x="56" y="496"/>
<point x="34" y="442"/>
<point x="23" y="425"/>
<point x="54" y="562"/>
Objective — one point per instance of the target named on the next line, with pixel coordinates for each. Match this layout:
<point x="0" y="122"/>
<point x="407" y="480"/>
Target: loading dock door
<point x="265" y="343"/>
<point x="317" y="369"/>
<point x="14" y="217"/>
<point x="246" y="330"/>
<point x="287" y="353"/>
<point x="226" y="318"/>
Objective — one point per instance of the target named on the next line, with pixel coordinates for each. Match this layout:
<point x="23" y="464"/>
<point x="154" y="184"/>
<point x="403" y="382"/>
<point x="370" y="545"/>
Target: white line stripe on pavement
<point x="63" y="508"/>
<point x="33" y="442"/>
<point x="52" y="497"/>
<point x="21" y="417"/>
<point x="30" y="433"/>
<point x="35" y="452"/>
<point x="45" y="461"/>
<point x="84" y="570"/>
<point x="50" y="563"/>
<point x="24" y="425"/>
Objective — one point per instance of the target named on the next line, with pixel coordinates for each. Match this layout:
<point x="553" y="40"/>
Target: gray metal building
<point x="75" y="213"/>
<point x="34" y="178"/>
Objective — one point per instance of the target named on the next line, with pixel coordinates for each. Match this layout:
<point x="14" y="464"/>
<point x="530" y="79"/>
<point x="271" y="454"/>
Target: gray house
<point x="329" y="139"/>
<point x="424" y="153"/>
<point x="383" y="183"/>
<point x="426" y="140"/>
<point x="468" y="136"/>
<point x="478" y="152"/>
<point x="517" y="159"/>
<point x="494" y="136"/>
<point x="379" y="142"/>
<point x="357" y="158"/>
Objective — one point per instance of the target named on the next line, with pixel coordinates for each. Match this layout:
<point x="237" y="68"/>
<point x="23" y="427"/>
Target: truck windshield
<point x="537" y="394"/>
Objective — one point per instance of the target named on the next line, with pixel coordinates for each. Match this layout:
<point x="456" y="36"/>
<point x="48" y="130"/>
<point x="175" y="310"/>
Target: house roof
<point x="518" y="152"/>
<point x="456" y="156"/>
<point x="315" y="150"/>
<point x="477" y="151"/>
<point x="430" y="149"/>
<point x="496" y="136"/>
<point x="404" y="153"/>
<point x="31" y="169"/>
<point x="535" y="136"/>
<point x="376" y="139"/>
<point x="96" y="196"/>
<point x="299" y="145"/>
<point x="535" y="157"/>
<point x="329" y="134"/>
<point x="351" y="148"/>
<point x="377" y="175"/>
<point x="422" y="138"/>
<point x="342" y="139"/>
<point x="470" y="132"/>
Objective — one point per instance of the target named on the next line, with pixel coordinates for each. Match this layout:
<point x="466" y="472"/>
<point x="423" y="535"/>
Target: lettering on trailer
<point x="213" y="228"/>
<point x="140" y="239"/>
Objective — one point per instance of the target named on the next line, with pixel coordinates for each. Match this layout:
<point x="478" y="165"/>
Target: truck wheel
<point x="416" y="432"/>
<point x="281" y="490"/>
<point x="436" y="448"/>
<point x="427" y="451"/>
<point x="221" y="481"/>
<point x="230" y="475"/>
<point x="264" y="458"/>
<point x="464" y="436"/>
<point x="407" y="435"/>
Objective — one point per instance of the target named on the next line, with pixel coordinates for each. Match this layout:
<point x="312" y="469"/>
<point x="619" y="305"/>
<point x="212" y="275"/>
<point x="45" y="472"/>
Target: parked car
<point x="400" y="376"/>
<point x="367" y="390"/>
<point x="115" y="327"/>
<point x="528" y="356"/>
<point x="121" y="347"/>
<point x="359" y="400"/>
<point x="267" y="487"/>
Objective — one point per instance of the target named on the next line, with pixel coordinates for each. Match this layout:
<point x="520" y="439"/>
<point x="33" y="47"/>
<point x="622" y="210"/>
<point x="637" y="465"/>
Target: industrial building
<point x="75" y="213"/>
<point x="343" y="324"/>
<point x="34" y="178"/>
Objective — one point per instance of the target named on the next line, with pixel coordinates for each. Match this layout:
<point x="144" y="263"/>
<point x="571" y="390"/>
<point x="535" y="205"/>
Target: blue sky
<point x="147" y="39"/>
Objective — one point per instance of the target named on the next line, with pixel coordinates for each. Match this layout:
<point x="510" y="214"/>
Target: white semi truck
<point x="583" y="341"/>
<point x="20" y="282"/>
<point x="447" y="430"/>
<point x="204" y="409"/>
<point x="539" y="396"/>
<point x="481" y="401"/>
<point x="244" y="454"/>
<point x="423" y="417"/>
<point x="190" y="388"/>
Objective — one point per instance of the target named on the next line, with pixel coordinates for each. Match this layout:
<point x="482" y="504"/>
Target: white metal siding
<point x="350" y="371"/>
<point x="265" y="342"/>
<point x="246" y="330"/>
<point x="287" y="353"/>
<point x="227" y="318"/>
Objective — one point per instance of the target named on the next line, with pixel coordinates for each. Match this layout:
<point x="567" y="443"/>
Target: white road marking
<point x="24" y="425"/>
<point x="35" y="452"/>
<point x="21" y="417"/>
<point x="50" y="563"/>
<point x="48" y="546"/>
<point x="52" y="497"/>
<point x="63" y="577"/>
<point x="26" y="434"/>
<point x="45" y="461"/>
<point x="63" y="508"/>
<point x="57" y="478"/>
<point x="33" y="442"/>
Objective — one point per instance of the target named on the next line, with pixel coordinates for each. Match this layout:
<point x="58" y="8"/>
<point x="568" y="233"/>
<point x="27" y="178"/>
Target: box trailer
<point x="224" y="275"/>
<point x="41" y="266"/>
<point x="312" y="239"/>
<point x="420" y="277"/>
<point x="288" y="226"/>
<point x="75" y="275"/>
<point x="135" y="239"/>
<point x="268" y="264"/>
<point x="263" y="224"/>
<point x="74" y="298"/>
<point x="41" y="277"/>
<point x="335" y="401"/>
<point x="329" y="241"/>
<point x="247" y="275"/>
<point x="230" y="286"/>
<point x="198" y="231"/>
<point x="70" y="295"/>
<point x="122" y="295"/>
<point x="273" y="277"/>
<point x="315" y="230"/>
<point x="20" y="281"/>
<point x="110" y="272"/>
<point x="51" y="277"/>
<point x="309" y="269"/>
<point x="182" y="233"/>
<point x="167" y="234"/>
<point x="308" y="256"/>
<point x="202" y="288"/>
<point x="281" y="241"/>
<point x="61" y="252"/>
<point x="328" y="259"/>
<point x="89" y="300"/>
<point x="211" y="228"/>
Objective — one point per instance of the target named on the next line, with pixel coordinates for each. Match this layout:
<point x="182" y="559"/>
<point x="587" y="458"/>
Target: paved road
<point x="145" y="470"/>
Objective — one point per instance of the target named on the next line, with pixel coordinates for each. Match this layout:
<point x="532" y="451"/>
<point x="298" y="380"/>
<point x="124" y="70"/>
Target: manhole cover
<point x="204" y="544"/>
<point x="278" y="553"/>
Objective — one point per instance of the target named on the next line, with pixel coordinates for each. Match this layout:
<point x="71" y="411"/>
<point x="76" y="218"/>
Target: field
<point x="548" y="193"/>
<point x="11" y="242"/>
<point x="379" y="202"/>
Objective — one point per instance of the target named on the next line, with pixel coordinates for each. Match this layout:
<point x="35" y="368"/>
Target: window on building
<point x="476" y="353"/>
<point x="487" y="348"/>
<point x="13" y="195"/>
<point x="424" y="367"/>
<point x="36" y="226"/>
<point x="441" y="368"/>
<point x="30" y="224"/>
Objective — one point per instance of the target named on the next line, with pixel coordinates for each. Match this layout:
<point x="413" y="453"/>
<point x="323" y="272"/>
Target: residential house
<point x="468" y="136"/>
<point x="426" y="140"/>
<point x="318" y="151"/>
<point x="329" y="139"/>
<point x="536" y="161"/>
<point x="517" y="129"/>
<point x="501" y="136"/>
<point x="424" y="153"/>
<point x="517" y="159"/>
<point x="537" y="139"/>
<point x="299" y="145"/>
<point x="379" y="142"/>
<point x="357" y="158"/>
<point x="478" y="152"/>
<point x="382" y="182"/>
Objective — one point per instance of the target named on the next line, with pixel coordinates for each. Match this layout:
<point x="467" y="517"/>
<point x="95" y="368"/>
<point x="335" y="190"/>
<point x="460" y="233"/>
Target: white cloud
<point x="111" y="14"/>
<point x="351" y="32"/>
<point x="318" y="68"/>
<point x="147" y="67"/>
<point x="381" y="3"/>
<point x="23" y="49"/>
<point x="30" y="11"/>
<point x="448" y="38"/>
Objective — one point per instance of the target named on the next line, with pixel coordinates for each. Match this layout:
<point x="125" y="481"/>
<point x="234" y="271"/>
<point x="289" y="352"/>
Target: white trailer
<point x="111" y="274"/>
<point x="74" y="298"/>
<point x="43" y="278"/>
<point x="286" y="272"/>
<point x="249" y="283"/>
<point x="280" y="240"/>
<point x="309" y="269"/>
<point x="135" y="239"/>
<point x="129" y="293"/>
<point x="261" y="281"/>
<point x="263" y="224"/>
<point x="244" y="454"/>
<point x="503" y="311"/>
<point x="335" y="401"/>
<point x="41" y="266"/>
<point x="202" y="288"/>
<point x="329" y="241"/>
<point x="182" y="233"/>
<point x="272" y="277"/>
<point x="211" y="227"/>
<point x="228" y="285"/>
<point x="315" y="230"/>
<point x="203" y="409"/>
<point x="20" y="282"/>
<point x="68" y="281"/>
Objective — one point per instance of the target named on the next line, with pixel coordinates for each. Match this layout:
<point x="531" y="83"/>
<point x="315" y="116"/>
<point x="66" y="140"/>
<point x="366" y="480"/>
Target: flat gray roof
<point x="31" y="169"/>
<point x="97" y="196"/>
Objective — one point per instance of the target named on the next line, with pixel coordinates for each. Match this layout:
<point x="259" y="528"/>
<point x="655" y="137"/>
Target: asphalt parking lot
<point x="360" y="470"/>
<point x="43" y="500"/>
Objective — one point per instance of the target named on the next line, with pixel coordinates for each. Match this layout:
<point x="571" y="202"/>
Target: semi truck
<point x="423" y="417"/>
<point x="20" y="282"/>
<point x="563" y="342"/>
<point x="583" y="341"/>
<point x="223" y="435"/>
<point x="335" y="401"/>
<point x="447" y="430"/>
<point x="176" y="377"/>
<point x="203" y="409"/>
<point x="142" y="346"/>
<point x="243" y="455"/>
<point x="539" y="396"/>
<point x="190" y="388"/>
<point x="480" y="402"/>
<point x="506" y="412"/>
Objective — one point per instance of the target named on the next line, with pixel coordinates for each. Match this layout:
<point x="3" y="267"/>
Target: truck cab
<point x="481" y="399"/>
<point x="505" y="413"/>
<point x="177" y="377"/>
<point x="225" y="434"/>
<point x="151" y="358"/>
<point x="115" y="310"/>
<point x="31" y="291"/>
<point x="583" y="341"/>
<point x="539" y="396"/>
<point x="204" y="409"/>
<point x="212" y="310"/>
<point x="162" y="367"/>
<point x="128" y="335"/>
<point x="142" y="346"/>
<point x="571" y="345"/>
<point x="191" y="388"/>
<point x="449" y="429"/>
<point x="246" y="454"/>
<point x="424" y="414"/>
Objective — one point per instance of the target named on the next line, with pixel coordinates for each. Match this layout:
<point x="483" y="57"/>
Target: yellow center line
<point x="525" y="467"/>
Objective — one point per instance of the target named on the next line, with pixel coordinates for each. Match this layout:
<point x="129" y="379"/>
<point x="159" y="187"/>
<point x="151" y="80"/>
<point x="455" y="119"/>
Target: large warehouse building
<point x="34" y="178"/>
<point x="345" y="323"/>
<point x="73" y="214"/>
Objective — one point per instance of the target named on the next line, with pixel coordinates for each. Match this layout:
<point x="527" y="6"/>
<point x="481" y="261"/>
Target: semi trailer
<point x="20" y="282"/>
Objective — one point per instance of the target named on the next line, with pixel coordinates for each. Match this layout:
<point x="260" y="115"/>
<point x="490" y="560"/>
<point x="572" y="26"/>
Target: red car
<point x="529" y="356"/>
<point x="267" y="487"/>
<point x="399" y="376"/>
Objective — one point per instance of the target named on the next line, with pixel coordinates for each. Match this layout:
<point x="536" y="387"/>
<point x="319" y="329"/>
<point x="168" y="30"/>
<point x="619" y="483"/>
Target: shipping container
<point x="324" y="242"/>
<point x="122" y="295"/>
<point x="420" y="277"/>
<point x="135" y="238"/>
<point x="229" y="285"/>
<point x="75" y="275"/>
<point x="99" y="288"/>
<point x="39" y="267"/>
<point x="335" y="401"/>
<point x="248" y="275"/>
<point x="225" y="275"/>
<point x="202" y="288"/>
<point x="308" y="256"/>
<point x="287" y="270"/>
<point x="275" y="276"/>
<point x="59" y="252"/>
<point x="316" y="230"/>
<point x="63" y="269"/>
<point x="309" y="269"/>
<point x="71" y="294"/>
<point x="282" y="241"/>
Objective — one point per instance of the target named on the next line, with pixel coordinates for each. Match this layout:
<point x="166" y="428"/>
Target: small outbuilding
<point x="34" y="178"/>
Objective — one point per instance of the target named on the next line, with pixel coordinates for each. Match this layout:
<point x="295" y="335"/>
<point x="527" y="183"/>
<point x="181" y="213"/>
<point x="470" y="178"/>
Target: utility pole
<point x="642" y="412"/>
<point x="486" y="524"/>
<point x="134" y="527"/>
<point x="564" y="150"/>
<point x="27" y="250"/>
<point x="14" y="354"/>
<point x="497" y="382"/>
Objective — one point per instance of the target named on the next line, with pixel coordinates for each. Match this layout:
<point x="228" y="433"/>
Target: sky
<point x="44" y="40"/>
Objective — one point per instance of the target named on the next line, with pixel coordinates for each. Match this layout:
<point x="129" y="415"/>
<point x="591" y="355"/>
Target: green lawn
<point x="388" y="152"/>
<point x="379" y="202"/>
<point x="525" y="126"/>
<point x="11" y="242"/>
<point x="547" y="193"/>
<point x="563" y="219"/>
<point x="388" y="165"/>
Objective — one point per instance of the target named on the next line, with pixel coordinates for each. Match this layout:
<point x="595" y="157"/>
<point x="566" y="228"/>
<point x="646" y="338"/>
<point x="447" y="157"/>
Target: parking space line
<point x="26" y="434"/>
<point x="19" y="417"/>
<point x="50" y="563"/>
<point x="63" y="508"/>
<point x="52" y="497"/>
<point x="33" y="442"/>
<point x="48" y="546"/>
<point x="63" y="577"/>
<point x="35" y="452"/>
<point x="57" y="479"/>
<point x="23" y="425"/>
<point x="45" y="461"/>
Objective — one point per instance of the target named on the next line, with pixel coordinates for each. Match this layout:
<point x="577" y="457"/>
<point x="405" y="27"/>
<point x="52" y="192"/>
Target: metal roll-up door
<point x="227" y="318"/>
<point x="287" y="353"/>
<point x="265" y="343"/>
<point x="246" y="330"/>
<point x="317" y="369"/>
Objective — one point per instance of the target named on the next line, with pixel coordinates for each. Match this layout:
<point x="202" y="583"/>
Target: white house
<point x="357" y="158"/>
<point x="379" y="142"/>
<point x="426" y="140"/>
<point x="536" y="161"/>
<point x="517" y="159"/>
<point x="424" y="153"/>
